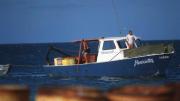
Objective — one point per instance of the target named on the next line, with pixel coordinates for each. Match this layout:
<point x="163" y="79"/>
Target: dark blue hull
<point x="135" y="67"/>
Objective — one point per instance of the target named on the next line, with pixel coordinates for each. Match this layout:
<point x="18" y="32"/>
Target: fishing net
<point x="149" y="50"/>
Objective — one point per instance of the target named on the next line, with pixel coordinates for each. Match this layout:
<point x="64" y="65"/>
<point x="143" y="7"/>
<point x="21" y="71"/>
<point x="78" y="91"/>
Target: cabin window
<point x="122" y="44"/>
<point x="108" y="45"/>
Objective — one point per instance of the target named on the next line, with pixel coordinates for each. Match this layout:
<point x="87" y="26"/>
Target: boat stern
<point x="4" y="69"/>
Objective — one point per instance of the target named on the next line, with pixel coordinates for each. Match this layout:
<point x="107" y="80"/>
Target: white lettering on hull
<point x="141" y="62"/>
<point x="164" y="57"/>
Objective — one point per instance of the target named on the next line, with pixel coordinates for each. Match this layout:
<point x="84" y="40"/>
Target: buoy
<point x="141" y="93"/>
<point x="58" y="61"/>
<point x="68" y="61"/>
<point x="74" y="93"/>
<point x="14" y="93"/>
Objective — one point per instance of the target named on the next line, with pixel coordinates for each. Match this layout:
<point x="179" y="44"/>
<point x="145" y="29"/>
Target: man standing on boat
<point x="130" y="38"/>
<point x="86" y="50"/>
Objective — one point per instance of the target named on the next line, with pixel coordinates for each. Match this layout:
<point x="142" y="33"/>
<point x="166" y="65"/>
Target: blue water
<point x="35" y="54"/>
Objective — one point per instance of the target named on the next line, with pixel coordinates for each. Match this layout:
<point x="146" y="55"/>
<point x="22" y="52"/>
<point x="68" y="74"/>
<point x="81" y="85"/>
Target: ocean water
<point x="35" y="54"/>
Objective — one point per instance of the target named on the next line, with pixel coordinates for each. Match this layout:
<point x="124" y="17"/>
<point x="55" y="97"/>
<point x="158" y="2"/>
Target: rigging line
<point x="115" y="56"/>
<point x="116" y="15"/>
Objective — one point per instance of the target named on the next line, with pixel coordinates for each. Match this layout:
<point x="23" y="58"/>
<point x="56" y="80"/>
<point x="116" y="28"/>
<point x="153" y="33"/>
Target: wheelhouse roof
<point x="105" y="38"/>
<point x="87" y="40"/>
<point x="113" y="38"/>
<point x="116" y="38"/>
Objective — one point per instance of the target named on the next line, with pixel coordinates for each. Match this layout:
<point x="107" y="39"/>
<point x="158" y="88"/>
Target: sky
<point x="42" y="21"/>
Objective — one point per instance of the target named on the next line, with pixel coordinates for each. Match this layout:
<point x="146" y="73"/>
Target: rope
<point x="114" y="56"/>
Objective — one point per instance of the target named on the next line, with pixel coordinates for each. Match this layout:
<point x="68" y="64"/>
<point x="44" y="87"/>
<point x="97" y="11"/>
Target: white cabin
<point x="112" y="48"/>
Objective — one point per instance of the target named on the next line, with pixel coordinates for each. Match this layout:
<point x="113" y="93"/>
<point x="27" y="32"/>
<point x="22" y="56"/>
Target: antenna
<point x="116" y="16"/>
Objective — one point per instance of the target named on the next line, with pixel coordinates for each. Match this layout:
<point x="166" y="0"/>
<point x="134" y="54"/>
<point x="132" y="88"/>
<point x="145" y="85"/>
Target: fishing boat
<point x="113" y="58"/>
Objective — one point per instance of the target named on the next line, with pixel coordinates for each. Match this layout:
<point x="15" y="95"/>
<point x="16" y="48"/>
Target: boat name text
<point x="141" y="62"/>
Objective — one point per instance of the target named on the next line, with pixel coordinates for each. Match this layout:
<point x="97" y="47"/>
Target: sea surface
<point x="36" y="54"/>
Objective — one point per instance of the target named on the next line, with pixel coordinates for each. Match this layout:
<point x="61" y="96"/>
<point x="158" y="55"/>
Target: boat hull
<point x="135" y="67"/>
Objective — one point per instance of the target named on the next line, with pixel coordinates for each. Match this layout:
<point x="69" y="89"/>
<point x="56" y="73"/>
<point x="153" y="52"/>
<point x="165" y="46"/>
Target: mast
<point x="114" y="7"/>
